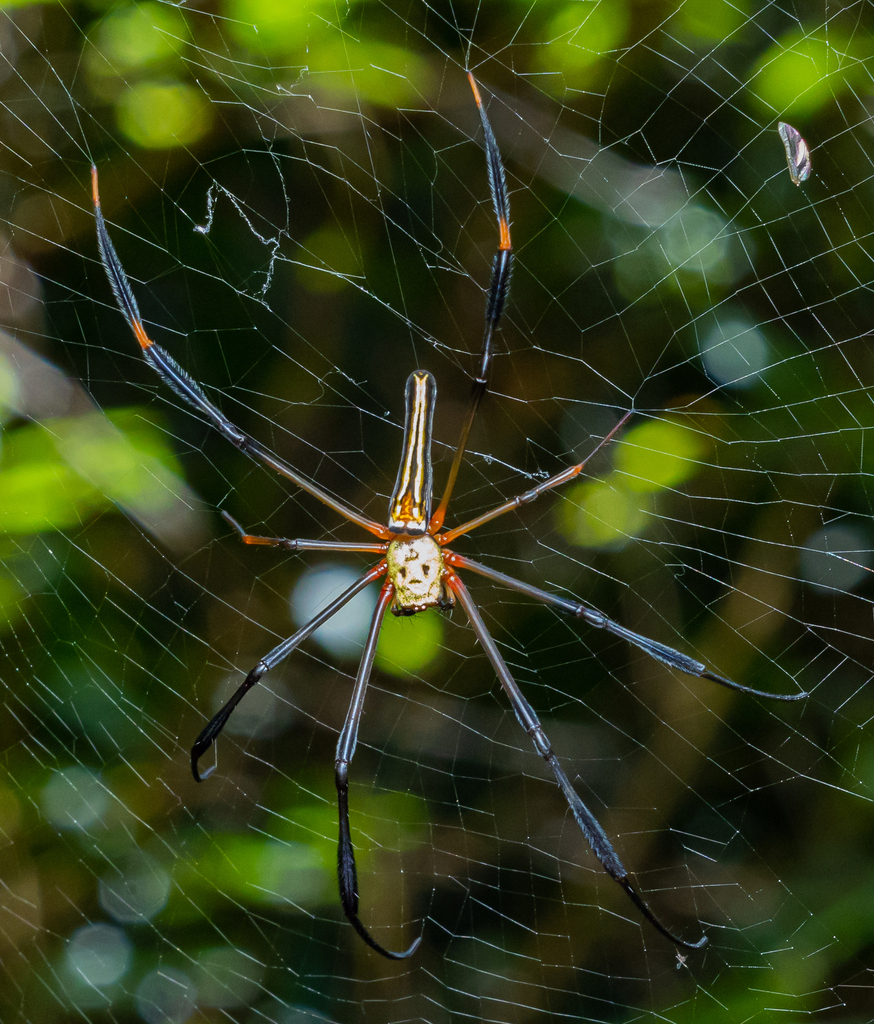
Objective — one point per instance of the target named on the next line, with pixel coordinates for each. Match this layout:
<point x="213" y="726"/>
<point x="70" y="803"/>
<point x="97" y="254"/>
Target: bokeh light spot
<point x="345" y="632"/>
<point x="74" y="798"/>
<point x="660" y="454"/>
<point x="166" y="996"/>
<point x="99" y="954"/>
<point x="601" y="514"/>
<point x="837" y="557"/>
<point x="409" y="643"/>
<point x="163" y="115"/>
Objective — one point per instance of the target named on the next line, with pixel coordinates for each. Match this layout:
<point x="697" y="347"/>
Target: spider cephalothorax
<point x="418" y="569"/>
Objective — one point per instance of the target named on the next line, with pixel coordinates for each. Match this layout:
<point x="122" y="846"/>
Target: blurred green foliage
<point x="58" y="473"/>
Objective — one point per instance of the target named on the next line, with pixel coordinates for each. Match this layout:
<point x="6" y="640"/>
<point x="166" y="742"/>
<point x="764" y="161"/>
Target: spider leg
<point x="579" y="610"/>
<point x="215" y="725"/>
<point x="588" y="823"/>
<point x="535" y="492"/>
<point x="346" y="873"/>
<point x="499" y="288"/>
<point x="290" y="544"/>
<point x="188" y="389"/>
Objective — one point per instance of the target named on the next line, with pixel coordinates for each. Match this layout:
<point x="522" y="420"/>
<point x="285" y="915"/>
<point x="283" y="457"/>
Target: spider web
<point x="299" y="195"/>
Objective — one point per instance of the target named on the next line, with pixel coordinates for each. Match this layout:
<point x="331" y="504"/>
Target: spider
<point x="418" y="568"/>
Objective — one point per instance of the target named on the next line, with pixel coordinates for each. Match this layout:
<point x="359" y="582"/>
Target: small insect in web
<point x="797" y="153"/>
<point x="419" y="569"/>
